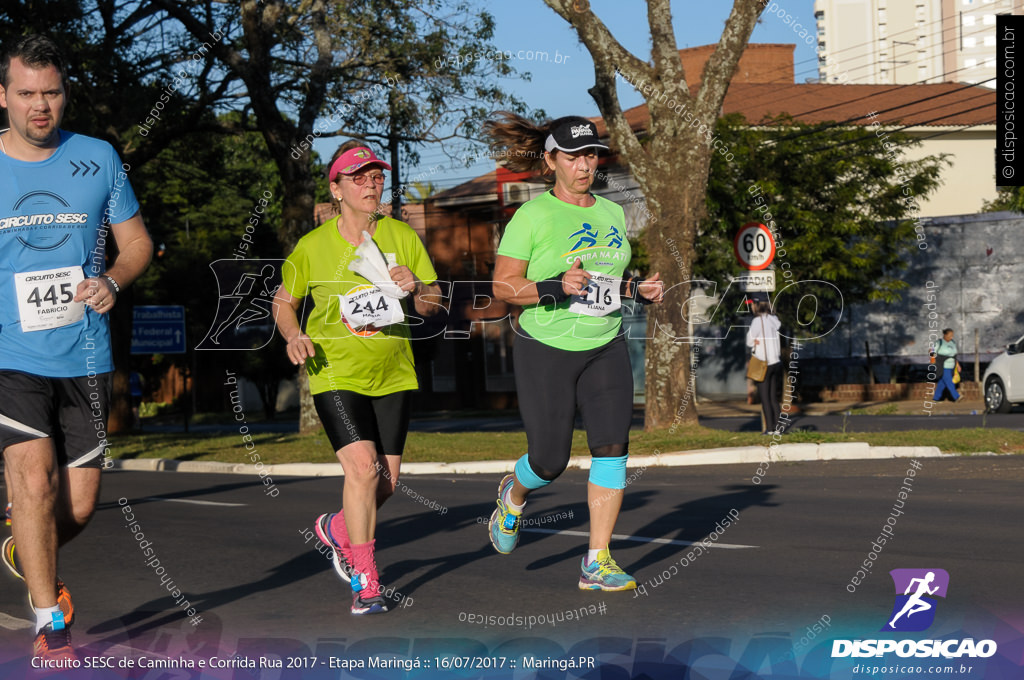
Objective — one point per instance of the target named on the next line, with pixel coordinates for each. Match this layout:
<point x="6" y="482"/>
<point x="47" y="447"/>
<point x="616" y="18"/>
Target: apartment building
<point x="880" y="42"/>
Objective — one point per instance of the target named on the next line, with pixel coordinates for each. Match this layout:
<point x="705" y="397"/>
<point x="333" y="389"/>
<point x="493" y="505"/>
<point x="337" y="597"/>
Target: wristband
<point x="624" y="289"/>
<point x="117" y="288"/>
<point x="552" y="288"/>
<point x="636" y="281"/>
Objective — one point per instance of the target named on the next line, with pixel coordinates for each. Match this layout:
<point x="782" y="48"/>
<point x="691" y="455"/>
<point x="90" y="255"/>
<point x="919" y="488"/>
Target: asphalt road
<point x="241" y="559"/>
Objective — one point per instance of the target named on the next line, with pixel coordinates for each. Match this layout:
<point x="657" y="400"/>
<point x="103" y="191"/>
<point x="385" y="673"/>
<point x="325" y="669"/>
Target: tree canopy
<point x="840" y="201"/>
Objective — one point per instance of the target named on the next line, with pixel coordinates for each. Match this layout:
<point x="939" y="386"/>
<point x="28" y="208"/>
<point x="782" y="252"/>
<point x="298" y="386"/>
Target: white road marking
<point x="13" y="623"/>
<point x="642" y="539"/>
<point x="192" y="502"/>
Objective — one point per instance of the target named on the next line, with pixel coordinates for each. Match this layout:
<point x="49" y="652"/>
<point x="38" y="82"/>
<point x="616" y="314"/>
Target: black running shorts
<point x="71" y="411"/>
<point x="350" y="417"/>
<point x="552" y="383"/>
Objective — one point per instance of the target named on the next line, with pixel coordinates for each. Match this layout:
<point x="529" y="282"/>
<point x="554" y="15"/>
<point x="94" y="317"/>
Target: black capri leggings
<point x="552" y="382"/>
<point x="350" y="417"/>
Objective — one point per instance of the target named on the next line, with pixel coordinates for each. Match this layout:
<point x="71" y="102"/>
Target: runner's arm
<point x="407" y="280"/>
<point x="512" y="286"/>
<point x="299" y="345"/>
<point x="423" y="306"/>
<point x="134" y="251"/>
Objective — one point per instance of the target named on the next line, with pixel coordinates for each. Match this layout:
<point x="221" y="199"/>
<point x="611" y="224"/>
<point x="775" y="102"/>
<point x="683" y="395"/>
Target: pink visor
<point x="353" y="160"/>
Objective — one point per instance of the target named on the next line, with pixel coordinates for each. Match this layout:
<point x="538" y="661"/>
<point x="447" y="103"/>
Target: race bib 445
<point x="46" y="298"/>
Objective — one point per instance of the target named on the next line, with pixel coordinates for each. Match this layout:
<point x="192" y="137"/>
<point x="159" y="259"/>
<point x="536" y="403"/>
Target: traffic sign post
<point x="158" y="329"/>
<point x="754" y="246"/>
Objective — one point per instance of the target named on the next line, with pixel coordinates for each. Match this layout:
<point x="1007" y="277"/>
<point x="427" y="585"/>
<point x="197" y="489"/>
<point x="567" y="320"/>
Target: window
<point x="990" y="41"/>
<point x="970" y="42"/>
<point x="989" y="19"/>
<point x="881" y="16"/>
<point x="969" y="20"/>
<point x="970" y="63"/>
<point x="990" y="63"/>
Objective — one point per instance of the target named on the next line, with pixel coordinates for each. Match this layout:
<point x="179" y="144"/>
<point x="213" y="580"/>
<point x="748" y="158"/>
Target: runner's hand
<point x="300" y="347"/>
<point x="404" y="277"/>
<point x="575" y="281"/>
<point x="97" y="293"/>
<point x="652" y="289"/>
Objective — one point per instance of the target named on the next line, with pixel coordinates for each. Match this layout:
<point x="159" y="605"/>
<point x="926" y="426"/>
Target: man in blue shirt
<point x="62" y="196"/>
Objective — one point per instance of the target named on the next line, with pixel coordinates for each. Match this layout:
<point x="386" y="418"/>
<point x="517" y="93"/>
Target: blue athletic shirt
<point x="54" y="218"/>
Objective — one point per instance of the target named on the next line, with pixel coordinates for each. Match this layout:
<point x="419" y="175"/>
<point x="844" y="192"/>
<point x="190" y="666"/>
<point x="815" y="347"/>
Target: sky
<point x="560" y="89"/>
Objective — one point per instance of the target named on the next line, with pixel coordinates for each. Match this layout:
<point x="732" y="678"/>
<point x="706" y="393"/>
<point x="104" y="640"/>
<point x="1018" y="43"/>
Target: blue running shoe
<point x="366" y="595"/>
<point x="604" y="574"/>
<point x="323" y="532"/>
<point x="504" y="524"/>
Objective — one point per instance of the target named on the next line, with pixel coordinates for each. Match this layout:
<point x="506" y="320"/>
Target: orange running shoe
<point x="64" y="601"/>
<point x="53" y="646"/>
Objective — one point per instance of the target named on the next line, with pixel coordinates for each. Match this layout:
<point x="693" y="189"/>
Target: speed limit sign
<point x="754" y="246"/>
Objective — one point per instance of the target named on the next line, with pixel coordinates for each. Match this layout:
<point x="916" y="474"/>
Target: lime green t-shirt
<point x="369" y="361"/>
<point x="550" y="234"/>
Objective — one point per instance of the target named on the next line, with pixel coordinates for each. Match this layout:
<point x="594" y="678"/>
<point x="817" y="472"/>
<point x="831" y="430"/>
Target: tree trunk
<point x="296" y="220"/>
<point x="670" y="162"/>
<point x="396" y="184"/>
<point x="308" y="420"/>
<point x="678" y="208"/>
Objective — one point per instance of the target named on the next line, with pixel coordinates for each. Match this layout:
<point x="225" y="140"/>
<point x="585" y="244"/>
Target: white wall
<point x="970" y="181"/>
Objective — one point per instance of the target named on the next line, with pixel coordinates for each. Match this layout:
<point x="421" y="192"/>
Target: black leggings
<point x="768" y="391"/>
<point x="350" y="417"/>
<point x="552" y="382"/>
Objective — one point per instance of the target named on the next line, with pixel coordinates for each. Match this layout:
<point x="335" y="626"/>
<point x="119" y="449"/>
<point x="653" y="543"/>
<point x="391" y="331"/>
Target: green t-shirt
<point x="550" y="234"/>
<point x="369" y="361"/>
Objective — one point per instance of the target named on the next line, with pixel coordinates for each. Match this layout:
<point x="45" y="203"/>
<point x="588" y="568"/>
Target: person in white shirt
<point x="763" y="338"/>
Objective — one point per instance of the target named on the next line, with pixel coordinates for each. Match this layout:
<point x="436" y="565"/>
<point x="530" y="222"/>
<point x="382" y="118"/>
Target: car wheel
<point x="995" y="396"/>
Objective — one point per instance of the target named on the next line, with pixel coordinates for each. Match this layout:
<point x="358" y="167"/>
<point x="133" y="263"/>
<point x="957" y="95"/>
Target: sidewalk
<point x="739" y="408"/>
<point x="751" y="455"/>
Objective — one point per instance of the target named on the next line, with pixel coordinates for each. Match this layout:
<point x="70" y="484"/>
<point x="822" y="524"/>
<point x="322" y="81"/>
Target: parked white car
<point x="1004" y="379"/>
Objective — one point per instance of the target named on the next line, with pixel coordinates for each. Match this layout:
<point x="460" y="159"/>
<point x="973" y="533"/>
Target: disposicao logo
<point x="914" y="610"/>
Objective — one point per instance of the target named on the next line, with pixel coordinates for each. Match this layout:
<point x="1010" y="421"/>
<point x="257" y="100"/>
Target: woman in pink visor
<point x="356" y="351"/>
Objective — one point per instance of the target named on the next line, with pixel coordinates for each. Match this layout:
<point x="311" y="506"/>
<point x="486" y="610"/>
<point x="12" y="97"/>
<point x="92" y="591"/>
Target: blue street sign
<point x="158" y="329"/>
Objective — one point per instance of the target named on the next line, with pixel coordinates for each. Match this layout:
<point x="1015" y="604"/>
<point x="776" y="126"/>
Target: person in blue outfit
<point x="946" y="349"/>
<point x="63" y="197"/>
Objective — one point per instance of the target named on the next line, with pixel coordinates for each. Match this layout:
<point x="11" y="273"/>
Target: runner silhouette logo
<point x="916" y="590"/>
<point x="245" y="304"/>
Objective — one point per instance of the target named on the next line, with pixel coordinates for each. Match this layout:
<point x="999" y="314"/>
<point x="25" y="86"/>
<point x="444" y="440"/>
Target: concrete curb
<point x="746" y="454"/>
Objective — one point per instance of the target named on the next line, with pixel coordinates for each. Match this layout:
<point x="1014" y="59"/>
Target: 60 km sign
<point x="754" y="246"/>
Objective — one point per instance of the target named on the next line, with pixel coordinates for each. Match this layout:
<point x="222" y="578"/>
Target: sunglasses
<point x="360" y="180"/>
